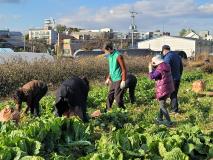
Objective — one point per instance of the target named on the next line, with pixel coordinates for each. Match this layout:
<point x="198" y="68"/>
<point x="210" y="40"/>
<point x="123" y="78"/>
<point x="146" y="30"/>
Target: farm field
<point x="118" y="134"/>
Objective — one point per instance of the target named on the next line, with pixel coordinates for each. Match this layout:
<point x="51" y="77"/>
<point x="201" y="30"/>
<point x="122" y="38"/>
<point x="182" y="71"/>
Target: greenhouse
<point x="7" y="55"/>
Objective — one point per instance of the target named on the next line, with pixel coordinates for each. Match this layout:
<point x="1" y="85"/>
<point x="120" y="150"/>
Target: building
<point x="4" y="33"/>
<point x="136" y="35"/>
<point x="209" y="37"/>
<point x="67" y="45"/>
<point x="70" y="46"/>
<point x="155" y="34"/>
<point x="93" y="34"/>
<point x="15" y="35"/>
<point x="192" y="34"/>
<point x="119" y="35"/>
<point x="47" y="32"/>
<point x="146" y="35"/>
<point x="81" y="35"/>
<point x="11" y="39"/>
<point x="203" y="34"/>
<point x="109" y="30"/>
<point x="191" y="47"/>
<point x="49" y="23"/>
<point x="206" y="35"/>
<point x="16" y="39"/>
<point x="49" y="35"/>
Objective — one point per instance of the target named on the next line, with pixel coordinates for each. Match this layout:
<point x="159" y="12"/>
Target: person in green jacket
<point x="117" y="76"/>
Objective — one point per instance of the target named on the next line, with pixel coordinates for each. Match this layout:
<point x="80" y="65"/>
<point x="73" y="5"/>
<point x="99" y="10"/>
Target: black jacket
<point x="72" y="92"/>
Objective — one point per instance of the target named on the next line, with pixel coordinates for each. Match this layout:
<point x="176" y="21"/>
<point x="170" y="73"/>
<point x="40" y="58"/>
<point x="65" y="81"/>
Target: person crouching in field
<point x="131" y="82"/>
<point x="161" y="73"/>
<point x="31" y="93"/>
<point x="117" y="75"/>
<point x="71" y="98"/>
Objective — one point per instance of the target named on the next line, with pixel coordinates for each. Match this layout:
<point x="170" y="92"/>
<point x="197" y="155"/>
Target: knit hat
<point x="156" y="60"/>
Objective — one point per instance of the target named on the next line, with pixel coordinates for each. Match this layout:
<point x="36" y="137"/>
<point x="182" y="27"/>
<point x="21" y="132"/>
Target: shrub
<point x="192" y="76"/>
<point x="207" y="68"/>
<point x="15" y="74"/>
<point x="196" y="63"/>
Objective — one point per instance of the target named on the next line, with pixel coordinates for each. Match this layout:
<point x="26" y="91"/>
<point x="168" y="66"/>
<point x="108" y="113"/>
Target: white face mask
<point x="106" y="51"/>
<point x="165" y="52"/>
<point x="106" y="55"/>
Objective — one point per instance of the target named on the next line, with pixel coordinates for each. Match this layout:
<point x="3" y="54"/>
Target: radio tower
<point x="133" y="26"/>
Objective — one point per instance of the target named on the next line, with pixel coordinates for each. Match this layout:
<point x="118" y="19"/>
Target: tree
<point x="70" y="30"/>
<point x="183" y="32"/>
<point x="37" y="45"/>
<point x="27" y="37"/>
<point x="61" y="28"/>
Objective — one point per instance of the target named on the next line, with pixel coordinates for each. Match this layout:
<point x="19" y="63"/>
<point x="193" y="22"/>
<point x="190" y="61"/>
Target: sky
<point x="167" y="15"/>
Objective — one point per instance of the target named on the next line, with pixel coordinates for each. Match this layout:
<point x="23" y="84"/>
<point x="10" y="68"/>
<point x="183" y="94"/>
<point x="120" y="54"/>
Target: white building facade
<point x="191" y="47"/>
<point x="192" y="35"/>
<point x="47" y="32"/>
<point x="49" y="35"/>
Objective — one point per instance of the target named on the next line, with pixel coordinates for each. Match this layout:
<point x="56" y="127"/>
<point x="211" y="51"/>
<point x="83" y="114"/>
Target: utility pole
<point x="133" y="27"/>
<point x="24" y="43"/>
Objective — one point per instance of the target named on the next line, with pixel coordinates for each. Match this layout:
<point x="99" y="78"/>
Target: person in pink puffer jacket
<point x="161" y="73"/>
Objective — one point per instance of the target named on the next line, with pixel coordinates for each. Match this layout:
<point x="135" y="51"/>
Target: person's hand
<point x="123" y="84"/>
<point x="107" y="82"/>
<point x="18" y="107"/>
<point x="150" y="67"/>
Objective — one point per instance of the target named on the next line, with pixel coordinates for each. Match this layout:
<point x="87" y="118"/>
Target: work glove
<point x="123" y="84"/>
<point x="150" y="68"/>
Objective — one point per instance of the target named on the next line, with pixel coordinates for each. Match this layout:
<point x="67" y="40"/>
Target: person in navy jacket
<point x="175" y="62"/>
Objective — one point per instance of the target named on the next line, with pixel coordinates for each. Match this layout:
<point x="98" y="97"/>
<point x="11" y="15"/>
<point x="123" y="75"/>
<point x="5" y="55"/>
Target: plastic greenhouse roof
<point x="5" y="50"/>
<point x="8" y="55"/>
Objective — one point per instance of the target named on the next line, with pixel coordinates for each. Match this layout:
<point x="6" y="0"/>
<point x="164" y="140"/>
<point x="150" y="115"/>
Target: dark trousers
<point x="40" y="95"/>
<point x="173" y="97"/>
<point x="132" y="92"/>
<point x="163" y="111"/>
<point x="33" y="101"/>
<point x="115" y="93"/>
<point x="84" y="112"/>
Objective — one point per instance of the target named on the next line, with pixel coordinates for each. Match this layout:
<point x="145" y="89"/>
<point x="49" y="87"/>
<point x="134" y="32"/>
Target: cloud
<point x="152" y="15"/>
<point x="10" y="1"/>
<point x="206" y="8"/>
<point x="165" y="8"/>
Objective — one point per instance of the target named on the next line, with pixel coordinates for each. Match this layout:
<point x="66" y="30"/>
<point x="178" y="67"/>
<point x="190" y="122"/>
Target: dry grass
<point x="15" y="74"/>
<point x="200" y="62"/>
<point x="208" y="68"/>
